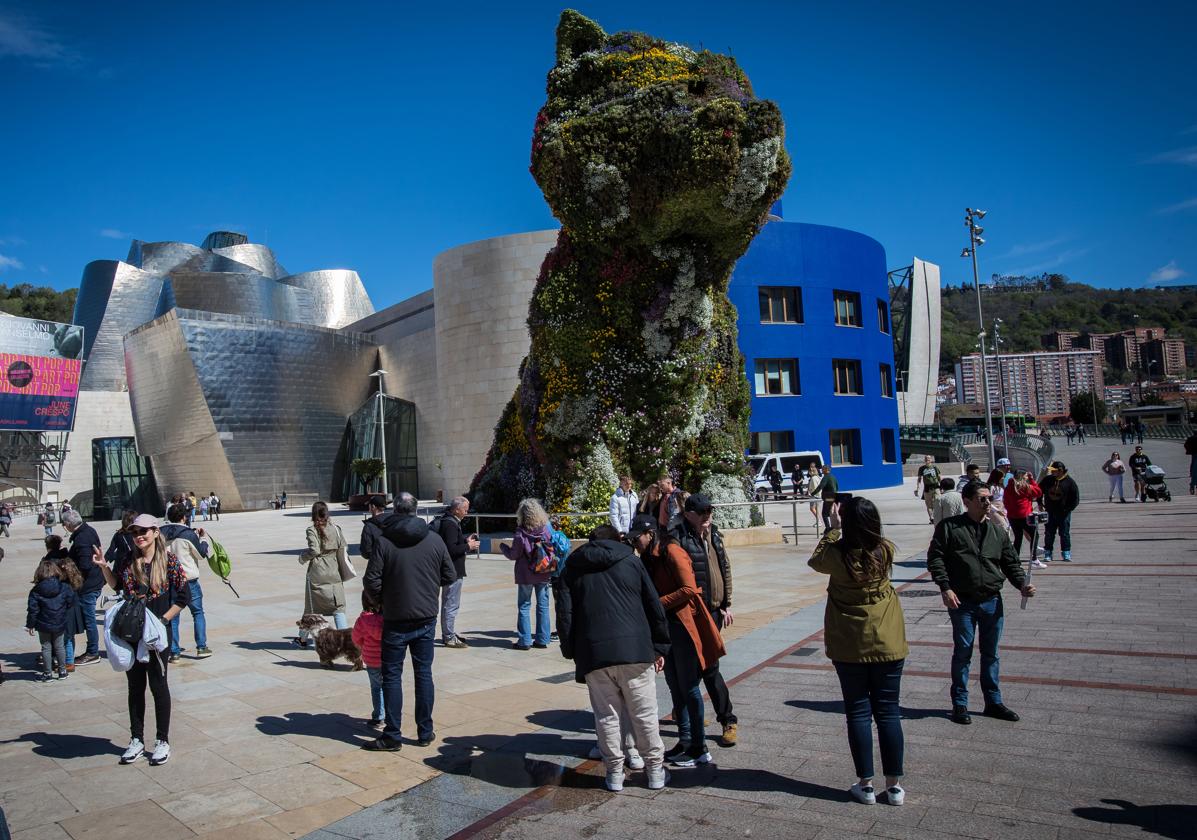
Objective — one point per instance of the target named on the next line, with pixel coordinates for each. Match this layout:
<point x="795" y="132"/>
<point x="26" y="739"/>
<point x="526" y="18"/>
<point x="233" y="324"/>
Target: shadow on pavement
<point x="837" y="707"/>
<point x="756" y="780"/>
<point x="335" y="726"/>
<point x="66" y="745"/>
<point x="568" y="720"/>
<point x="1172" y="821"/>
<point x="491" y="639"/>
<point x="284" y="645"/>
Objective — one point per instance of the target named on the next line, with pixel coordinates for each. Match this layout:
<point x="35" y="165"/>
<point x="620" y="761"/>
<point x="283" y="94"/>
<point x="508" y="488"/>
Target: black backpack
<point x="128" y="624"/>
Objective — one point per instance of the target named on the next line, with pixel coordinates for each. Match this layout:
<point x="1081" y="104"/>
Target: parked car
<point x="784" y="461"/>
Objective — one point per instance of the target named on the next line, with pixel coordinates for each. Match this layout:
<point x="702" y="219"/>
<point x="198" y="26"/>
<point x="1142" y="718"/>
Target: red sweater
<point x="1018" y="505"/>
<point x="367" y="635"/>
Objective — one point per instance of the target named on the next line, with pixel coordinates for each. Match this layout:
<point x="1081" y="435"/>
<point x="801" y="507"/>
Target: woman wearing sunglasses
<point x="150" y="572"/>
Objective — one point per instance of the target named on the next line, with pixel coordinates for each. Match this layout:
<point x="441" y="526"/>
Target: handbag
<point x="344" y="564"/>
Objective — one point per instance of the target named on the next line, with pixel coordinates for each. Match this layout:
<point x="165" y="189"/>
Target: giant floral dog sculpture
<point x="661" y="165"/>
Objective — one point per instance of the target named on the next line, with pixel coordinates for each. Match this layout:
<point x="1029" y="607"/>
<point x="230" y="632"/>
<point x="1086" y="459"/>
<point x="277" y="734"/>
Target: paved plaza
<point x="1101" y="666"/>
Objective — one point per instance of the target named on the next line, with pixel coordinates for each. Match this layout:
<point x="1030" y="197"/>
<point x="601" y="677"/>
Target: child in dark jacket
<point x="367" y="635"/>
<point x="50" y="602"/>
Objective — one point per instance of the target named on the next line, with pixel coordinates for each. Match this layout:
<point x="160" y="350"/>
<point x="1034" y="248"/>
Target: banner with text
<point x="39" y="374"/>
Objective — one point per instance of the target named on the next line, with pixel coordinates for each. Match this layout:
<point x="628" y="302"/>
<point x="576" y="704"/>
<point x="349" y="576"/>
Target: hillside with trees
<point x="1027" y="314"/>
<point x="29" y="301"/>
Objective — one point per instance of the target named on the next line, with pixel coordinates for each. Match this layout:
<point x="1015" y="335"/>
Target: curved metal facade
<point x="822" y="263"/>
<point x="114" y="297"/>
<point x="337" y="296"/>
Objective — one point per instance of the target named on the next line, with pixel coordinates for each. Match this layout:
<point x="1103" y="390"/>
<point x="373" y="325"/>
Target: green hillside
<point x="42" y="302"/>
<point x="1062" y="305"/>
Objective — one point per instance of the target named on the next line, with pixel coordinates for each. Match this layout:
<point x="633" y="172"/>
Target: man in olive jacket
<point x="970" y="559"/>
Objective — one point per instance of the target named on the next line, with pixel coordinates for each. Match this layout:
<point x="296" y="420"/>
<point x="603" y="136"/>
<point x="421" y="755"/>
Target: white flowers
<point x="606" y="193"/>
<point x="722" y="488"/>
<point x="757" y="163"/>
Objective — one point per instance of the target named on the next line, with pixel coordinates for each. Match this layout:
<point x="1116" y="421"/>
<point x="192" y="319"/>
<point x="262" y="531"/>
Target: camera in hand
<point x="1039" y="517"/>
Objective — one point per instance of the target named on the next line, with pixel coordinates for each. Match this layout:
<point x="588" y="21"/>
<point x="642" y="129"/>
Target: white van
<point x="784" y="461"/>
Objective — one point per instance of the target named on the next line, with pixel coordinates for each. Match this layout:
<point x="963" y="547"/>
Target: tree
<point x="1081" y="408"/>
<point x="367" y="471"/>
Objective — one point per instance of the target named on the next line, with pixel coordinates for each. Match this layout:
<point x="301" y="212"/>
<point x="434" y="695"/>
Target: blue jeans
<point x="685" y="687"/>
<point x="1055" y="523"/>
<point x="69" y="645"/>
<point x="975" y="618"/>
<point x="450" y="604"/>
<point x="871" y="690"/>
<point x="397" y="638"/>
<point x="523" y="624"/>
<point x="88" y="602"/>
<point x="377" y="700"/>
<point x="197" y="616"/>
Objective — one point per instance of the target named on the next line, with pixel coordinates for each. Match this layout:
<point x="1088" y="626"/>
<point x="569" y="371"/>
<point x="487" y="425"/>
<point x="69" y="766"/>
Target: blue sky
<point x="372" y="136"/>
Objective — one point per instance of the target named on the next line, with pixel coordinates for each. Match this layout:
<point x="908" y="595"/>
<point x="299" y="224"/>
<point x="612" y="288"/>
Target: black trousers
<point x="716" y="687"/>
<point x="827" y="504"/>
<point x="153" y="672"/>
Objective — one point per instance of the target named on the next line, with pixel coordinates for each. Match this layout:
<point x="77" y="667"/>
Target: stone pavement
<point x="1100" y="665"/>
<point x="266" y="742"/>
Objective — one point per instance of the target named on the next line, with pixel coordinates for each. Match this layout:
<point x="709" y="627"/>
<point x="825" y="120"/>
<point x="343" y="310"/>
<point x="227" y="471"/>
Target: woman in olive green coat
<point x="865" y="635"/>
<point x="327" y="559"/>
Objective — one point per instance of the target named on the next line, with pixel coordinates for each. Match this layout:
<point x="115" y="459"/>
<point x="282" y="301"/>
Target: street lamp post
<point x="382" y="435"/>
<point x="971" y="218"/>
<point x="997" y="352"/>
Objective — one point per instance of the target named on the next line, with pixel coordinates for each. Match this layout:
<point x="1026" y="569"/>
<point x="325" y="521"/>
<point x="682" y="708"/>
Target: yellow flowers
<point x="650" y="67"/>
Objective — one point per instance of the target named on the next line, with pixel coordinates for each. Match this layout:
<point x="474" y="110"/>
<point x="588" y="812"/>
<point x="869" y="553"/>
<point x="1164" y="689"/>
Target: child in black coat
<point x="50" y="602"/>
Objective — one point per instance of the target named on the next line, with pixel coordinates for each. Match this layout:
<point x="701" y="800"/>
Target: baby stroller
<point x="1154" y="486"/>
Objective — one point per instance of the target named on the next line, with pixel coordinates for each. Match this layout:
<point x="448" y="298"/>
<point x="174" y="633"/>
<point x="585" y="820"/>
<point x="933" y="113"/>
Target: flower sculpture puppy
<point x="661" y="165"/>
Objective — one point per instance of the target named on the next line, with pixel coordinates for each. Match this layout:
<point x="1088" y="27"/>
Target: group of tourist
<point x="205" y="507"/>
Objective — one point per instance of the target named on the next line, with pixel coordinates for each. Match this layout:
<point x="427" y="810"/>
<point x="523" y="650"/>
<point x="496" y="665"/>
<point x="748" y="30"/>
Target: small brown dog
<point x="331" y="642"/>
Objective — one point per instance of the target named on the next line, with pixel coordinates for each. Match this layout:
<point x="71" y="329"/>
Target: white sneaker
<point x="161" y="753"/>
<point x="595" y="753"/>
<point x="658" y="778"/>
<point x="633" y="760"/>
<point x="1036" y="564"/>
<point x="135" y="751"/>
<point x="895" y="795"/>
<point x="614" y="780"/>
<point x="863" y="795"/>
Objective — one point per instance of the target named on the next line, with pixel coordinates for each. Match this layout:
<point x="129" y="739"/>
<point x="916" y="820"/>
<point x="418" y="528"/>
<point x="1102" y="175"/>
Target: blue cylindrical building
<point x="815" y="331"/>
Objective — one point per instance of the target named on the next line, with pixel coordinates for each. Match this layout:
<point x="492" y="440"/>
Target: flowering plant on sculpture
<point x="661" y="165"/>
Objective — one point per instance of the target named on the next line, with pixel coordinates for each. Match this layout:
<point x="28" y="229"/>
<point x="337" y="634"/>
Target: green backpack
<point x="219" y="563"/>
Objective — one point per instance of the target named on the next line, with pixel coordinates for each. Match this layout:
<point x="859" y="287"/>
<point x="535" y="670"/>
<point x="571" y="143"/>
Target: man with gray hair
<point x="408" y="565"/>
<point x="448" y="526"/>
<point x="85" y="542"/>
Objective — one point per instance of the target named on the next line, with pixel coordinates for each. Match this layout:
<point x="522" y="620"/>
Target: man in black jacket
<point x="613" y="627"/>
<point x="1060" y="498"/>
<point x="84" y="542"/>
<point x="970" y="559"/>
<point x="448" y="526"/>
<point x="695" y="531"/>
<point x="407" y="566"/>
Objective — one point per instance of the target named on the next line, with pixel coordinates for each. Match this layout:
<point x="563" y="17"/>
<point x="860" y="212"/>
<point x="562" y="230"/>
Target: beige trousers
<point x="628" y="692"/>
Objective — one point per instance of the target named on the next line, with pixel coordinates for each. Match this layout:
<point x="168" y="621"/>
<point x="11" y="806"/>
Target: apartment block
<point x="1041" y="383"/>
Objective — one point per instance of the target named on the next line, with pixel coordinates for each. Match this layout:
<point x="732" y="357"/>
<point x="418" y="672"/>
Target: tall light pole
<point x="997" y="352"/>
<point x="971" y="217"/>
<point x="382" y="436"/>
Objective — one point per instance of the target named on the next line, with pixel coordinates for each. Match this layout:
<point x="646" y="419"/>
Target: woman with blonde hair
<point x="155" y="575"/>
<point x="327" y="559"/>
<point x="533" y="538"/>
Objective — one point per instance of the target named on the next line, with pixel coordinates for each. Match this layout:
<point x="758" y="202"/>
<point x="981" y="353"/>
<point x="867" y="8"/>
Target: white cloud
<point x="1046" y="265"/>
<point x="23" y="38"/>
<point x="43" y="269"/>
<point x="1022" y="249"/>
<point x="1188" y="204"/>
<point x="1186" y="156"/>
<point x="11" y="241"/>
<point x="10" y="262"/>
<point x="1164" y="273"/>
<point x="113" y="233"/>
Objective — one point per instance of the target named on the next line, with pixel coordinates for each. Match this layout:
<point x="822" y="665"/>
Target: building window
<point x="887" y="380"/>
<point x="776" y="377"/>
<point x="847" y="376"/>
<point x="780" y="304"/>
<point x="847" y="309"/>
<point x="883" y="316"/>
<point x="765" y="442"/>
<point x="888" y="451"/>
<point x="845" y="446"/>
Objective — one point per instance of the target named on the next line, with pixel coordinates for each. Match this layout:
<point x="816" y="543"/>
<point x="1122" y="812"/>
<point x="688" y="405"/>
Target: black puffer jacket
<point x="407" y="566"/>
<point x="688" y="538"/>
<point x="84" y="542"/>
<point x="448" y="527"/>
<point x="608" y="611"/>
<point x="49" y="604"/>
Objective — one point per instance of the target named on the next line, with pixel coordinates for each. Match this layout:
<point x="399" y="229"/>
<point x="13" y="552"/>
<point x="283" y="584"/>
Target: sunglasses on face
<point x="983" y="500"/>
<point x="141" y="532"/>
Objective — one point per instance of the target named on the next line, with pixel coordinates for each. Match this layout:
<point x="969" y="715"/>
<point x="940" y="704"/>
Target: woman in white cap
<point x="154" y="574"/>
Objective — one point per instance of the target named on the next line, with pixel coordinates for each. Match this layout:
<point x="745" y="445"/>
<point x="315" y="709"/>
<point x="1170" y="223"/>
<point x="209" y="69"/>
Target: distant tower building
<point x="915" y="306"/>
<point x="1059" y="340"/>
